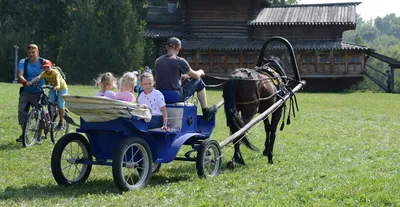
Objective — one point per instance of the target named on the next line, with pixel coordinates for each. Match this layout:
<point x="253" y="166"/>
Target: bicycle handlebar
<point x="42" y="86"/>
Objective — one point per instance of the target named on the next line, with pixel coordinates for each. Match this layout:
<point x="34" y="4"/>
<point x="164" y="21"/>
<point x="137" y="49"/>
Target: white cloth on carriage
<point x="100" y="109"/>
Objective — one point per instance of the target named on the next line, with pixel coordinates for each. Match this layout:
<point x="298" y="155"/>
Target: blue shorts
<point x="60" y="99"/>
<point x="155" y="122"/>
<point x="194" y="85"/>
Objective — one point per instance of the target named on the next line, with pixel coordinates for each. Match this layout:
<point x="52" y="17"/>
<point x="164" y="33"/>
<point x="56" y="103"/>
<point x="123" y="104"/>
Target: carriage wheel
<point x="54" y="134"/>
<point x="209" y="158"/>
<point x="31" y="128"/>
<point x="132" y="164"/>
<point x="155" y="167"/>
<point x="67" y="157"/>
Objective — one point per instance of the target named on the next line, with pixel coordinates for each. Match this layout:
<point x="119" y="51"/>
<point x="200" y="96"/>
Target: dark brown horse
<point x="249" y="91"/>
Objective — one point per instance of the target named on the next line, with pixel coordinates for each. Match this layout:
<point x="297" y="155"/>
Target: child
<point x="54" y="78"/>
<point x="106" y="81"/>
<point x="153" y="99"/>
<point x="126" y="84"/>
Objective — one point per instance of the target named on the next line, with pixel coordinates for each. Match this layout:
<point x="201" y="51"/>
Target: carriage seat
<point x="170" y="96"/>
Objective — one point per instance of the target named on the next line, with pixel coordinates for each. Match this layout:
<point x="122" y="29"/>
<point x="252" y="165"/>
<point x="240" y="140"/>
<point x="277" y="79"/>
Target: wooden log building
<point x="221" y="35"/>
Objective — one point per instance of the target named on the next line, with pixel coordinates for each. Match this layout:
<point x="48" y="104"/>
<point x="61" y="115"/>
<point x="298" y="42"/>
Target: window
<point x="234" y="59"/>
<point x="323" y="59"/>
<point x="339" y="59"/>
<point x="354" y="59"/>
<point x="189" y="58"/>
<point x="219" y="59"/>
<point x="204" y="58"/>
<point x="248" y="59"/>
<point x="308" y="59"/>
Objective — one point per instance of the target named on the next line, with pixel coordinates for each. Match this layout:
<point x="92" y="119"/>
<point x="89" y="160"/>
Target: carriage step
<point x="188" y="153"/>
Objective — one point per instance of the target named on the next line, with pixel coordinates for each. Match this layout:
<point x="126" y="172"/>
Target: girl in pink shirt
<point x="126" y="84"/>
<point x="106" y="82"/>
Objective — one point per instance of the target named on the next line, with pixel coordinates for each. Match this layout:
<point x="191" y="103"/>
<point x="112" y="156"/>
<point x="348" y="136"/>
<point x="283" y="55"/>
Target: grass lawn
<point x="340" y="150"/>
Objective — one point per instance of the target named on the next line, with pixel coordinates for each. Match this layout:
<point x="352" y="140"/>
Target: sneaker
<point x="19" y="139"/>
<point x="208" y="113"/>
<point x="59" y="126"/>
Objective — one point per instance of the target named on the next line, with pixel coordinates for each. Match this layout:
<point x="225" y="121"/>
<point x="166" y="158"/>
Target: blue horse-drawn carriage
<point x="117" y="135"/>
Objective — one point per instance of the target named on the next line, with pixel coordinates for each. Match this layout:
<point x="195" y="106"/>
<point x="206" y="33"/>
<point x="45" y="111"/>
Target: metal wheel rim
<point x="32" y="126"/>
<point x="211" y="161"/>
<point x="134" y="169"/>
<point x="59" y="133"/>
<point x="73" y="151"/>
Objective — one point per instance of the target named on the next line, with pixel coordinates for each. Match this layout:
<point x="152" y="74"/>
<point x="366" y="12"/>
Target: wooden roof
<point x="163" y="32"/>
<point x="242" y="44"/>
<point x="308" y="14"/>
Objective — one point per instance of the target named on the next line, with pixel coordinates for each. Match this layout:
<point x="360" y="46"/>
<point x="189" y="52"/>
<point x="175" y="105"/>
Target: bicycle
<point x="43" y="117"/>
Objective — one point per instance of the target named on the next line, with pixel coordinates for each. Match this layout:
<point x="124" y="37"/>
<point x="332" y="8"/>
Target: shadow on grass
<point x="31" y="192"/>
<point x="10" y="146"/>
<point x="91" y="187"/>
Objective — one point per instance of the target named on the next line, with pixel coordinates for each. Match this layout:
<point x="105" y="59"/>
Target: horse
<point x="249" y="91"/>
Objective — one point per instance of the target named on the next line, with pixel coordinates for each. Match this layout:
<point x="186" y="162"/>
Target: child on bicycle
<point x="54" y="78"/>
<point x="154" y="100"/>
<point x="106" y="82"/>
<point x="126" y="84"/>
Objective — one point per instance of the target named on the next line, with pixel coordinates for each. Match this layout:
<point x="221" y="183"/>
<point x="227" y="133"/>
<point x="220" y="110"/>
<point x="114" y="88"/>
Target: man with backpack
<point x="28" y="68"/>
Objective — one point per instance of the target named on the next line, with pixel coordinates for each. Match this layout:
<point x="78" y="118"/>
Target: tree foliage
<point x="84" y="37"/>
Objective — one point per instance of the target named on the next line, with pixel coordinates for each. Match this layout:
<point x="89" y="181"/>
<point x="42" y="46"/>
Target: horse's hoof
<point x="265" y="153"/>
<point x="231" y="165"/>
<point x="270" y="160"/>
<point x="241" y="161"/>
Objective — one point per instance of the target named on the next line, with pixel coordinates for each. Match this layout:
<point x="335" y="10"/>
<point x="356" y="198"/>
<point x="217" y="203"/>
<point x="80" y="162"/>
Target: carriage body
<point x="187" y="128"/>
<point x="126" y="144"/>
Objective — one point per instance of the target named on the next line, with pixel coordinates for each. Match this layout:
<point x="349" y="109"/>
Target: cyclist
<point x="28" y="68"/>
<point x="54" y="78"/>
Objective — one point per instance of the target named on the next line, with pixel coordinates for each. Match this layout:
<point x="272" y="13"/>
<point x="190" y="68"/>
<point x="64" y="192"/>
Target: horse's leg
<point x="247" y="113"/>
<point x="276" y="116"/>
<point x="267" y="128"/>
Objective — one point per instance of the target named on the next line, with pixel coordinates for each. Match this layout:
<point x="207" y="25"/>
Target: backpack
<point x="41" y="62"/>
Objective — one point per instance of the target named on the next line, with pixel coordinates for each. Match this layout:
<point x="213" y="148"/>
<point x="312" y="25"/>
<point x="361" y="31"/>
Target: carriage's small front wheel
<point x="31" y="128"/>
<point x="132" y="164"/>
<point x="209" y="159"/>
<point x="67" y="159"/>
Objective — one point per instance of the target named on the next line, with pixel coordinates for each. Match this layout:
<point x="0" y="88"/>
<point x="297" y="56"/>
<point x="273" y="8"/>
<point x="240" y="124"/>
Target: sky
<point x="368" y="9"/>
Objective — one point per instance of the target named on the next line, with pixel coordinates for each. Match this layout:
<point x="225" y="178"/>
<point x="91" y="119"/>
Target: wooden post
<point x="391" y="81"/>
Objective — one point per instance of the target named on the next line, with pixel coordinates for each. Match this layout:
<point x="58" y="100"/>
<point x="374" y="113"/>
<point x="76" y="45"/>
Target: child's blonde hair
<point x="128" y="79"/>
<point x="106" y="79"/>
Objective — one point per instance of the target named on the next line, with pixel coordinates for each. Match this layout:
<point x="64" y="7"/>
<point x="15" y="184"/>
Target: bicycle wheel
<point x="54" y="133"/>
<point x="31" y="128"/>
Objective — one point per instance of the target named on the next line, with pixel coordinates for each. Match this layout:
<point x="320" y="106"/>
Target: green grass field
<point x="340" y="150"/>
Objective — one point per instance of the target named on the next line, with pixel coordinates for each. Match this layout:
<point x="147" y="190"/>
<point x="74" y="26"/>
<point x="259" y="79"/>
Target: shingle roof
<point x="308" y="14"/>
<point x="163" y="32"/>
<point x="241" y="44"/>
<point x="160" y="15"/>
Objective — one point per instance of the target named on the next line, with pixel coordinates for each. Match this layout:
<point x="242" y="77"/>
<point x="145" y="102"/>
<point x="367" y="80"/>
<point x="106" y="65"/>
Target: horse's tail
<point x="233" y="119"/>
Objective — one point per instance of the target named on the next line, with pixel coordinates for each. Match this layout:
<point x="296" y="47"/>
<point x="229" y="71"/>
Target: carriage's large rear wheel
<point x="67" y="157"/>
<point x="132" y="164"/>
<point x="209" y="159"/>
<point x="31" y="128"/>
